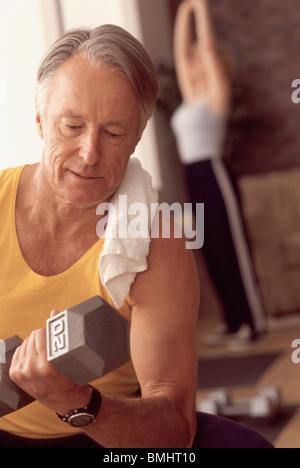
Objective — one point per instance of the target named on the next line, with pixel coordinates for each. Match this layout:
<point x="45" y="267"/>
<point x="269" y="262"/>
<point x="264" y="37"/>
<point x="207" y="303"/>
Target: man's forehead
<point x="78" y="83"/>
<point x="78" y="71"/>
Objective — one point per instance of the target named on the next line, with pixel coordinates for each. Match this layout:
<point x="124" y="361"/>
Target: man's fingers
<point x="53" y="313"/>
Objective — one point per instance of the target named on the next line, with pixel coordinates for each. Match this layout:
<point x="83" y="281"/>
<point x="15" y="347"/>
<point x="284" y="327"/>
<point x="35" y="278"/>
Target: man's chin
<point x="84" y="200"/>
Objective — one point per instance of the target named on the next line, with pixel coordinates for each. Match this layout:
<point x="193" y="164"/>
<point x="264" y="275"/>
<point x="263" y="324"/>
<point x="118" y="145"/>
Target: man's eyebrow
<point x="117" y="123"/>
<point x="123" y="123"/>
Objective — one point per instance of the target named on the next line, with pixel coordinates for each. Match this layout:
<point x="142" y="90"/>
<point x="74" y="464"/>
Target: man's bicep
<point x="164" y="357"/>
<point x="166" y="301"/>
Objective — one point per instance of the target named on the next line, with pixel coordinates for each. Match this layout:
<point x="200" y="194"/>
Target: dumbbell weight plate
<point x="88" y="341"/>
<point x="12" y="398"/>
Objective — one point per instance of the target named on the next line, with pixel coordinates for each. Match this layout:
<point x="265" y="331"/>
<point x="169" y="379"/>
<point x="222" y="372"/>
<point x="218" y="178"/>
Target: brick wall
<point x="263" y="36"/>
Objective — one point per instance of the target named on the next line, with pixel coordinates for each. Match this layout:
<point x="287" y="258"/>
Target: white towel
<point x="123" y="255"/>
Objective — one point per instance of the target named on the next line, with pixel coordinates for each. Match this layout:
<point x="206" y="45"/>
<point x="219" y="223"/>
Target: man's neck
<point x="56" y="215"/>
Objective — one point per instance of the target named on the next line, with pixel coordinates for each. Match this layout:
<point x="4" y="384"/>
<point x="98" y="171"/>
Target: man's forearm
<point x="140" y="423"/>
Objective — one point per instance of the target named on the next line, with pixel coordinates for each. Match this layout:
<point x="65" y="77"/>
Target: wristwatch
<point x="84" y="416"/>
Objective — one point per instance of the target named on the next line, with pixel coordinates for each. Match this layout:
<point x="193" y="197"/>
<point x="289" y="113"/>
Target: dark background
<point x="262" y="39"/>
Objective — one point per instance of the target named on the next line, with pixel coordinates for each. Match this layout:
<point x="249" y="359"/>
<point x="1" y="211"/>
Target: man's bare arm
<point x="165" y="303"/>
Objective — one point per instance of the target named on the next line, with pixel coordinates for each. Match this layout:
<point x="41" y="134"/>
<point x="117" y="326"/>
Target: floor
<point x="283" y="373"/>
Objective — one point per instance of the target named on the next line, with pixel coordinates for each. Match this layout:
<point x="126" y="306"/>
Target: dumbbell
<point x="84" y="343"/>
<point x="265" y="404"/>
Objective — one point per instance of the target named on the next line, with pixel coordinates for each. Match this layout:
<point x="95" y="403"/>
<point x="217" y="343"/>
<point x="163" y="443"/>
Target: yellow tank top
<point x="26" y="302"/>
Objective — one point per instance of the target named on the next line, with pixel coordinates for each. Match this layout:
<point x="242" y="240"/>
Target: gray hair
<point x="106" y="45"/>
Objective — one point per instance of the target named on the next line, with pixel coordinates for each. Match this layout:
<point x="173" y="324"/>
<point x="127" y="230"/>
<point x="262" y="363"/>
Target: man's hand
<point x="31" y="371"/>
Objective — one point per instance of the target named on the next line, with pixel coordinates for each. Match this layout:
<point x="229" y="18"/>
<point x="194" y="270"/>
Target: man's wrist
<point x="79" y="398"/>
<point x="84" y="416"/>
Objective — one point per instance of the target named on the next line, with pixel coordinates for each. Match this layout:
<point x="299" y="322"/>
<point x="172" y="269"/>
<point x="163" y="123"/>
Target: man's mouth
<point x="86" y="177"/>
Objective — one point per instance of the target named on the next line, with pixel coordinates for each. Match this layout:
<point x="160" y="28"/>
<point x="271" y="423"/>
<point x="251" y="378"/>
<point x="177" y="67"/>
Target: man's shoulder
<point x="9" y="181"/>
<point x="169" y="256"/>
<point x="171" y="268"/>
<point x="9" y="174"/>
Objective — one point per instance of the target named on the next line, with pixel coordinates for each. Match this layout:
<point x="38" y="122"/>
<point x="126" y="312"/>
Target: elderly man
<point x="96" y="91"/>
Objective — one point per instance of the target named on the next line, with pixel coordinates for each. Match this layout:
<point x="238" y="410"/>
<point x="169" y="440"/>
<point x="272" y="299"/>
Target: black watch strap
<point x="84" y="416"/>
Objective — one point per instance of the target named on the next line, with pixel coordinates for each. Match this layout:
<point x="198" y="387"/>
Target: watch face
<point x="81" y="419"/>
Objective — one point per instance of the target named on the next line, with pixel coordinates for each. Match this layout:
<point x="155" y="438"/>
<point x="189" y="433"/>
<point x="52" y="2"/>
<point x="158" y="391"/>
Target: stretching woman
<point x="200" y="126"/>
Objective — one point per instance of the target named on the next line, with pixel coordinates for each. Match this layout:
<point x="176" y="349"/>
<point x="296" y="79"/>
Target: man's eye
<point x="74" y="127"/>
<point x="112" y="134"/>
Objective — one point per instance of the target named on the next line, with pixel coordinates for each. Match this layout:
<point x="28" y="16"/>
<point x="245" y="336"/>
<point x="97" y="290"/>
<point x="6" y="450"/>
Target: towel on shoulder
<point x="123" y="255"/>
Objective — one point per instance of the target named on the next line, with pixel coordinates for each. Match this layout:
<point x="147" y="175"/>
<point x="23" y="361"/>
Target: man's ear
<point x="38" y="120"/>
<point x="142" y="129"/>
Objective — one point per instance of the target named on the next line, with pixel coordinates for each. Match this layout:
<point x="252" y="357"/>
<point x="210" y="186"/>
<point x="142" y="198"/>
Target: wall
<point x="156" y="25"/>
<point x="271" y="206"/>
<point x="263" y="37"/>
<point x="91" y="13"/>
<point x="21" y="46"/>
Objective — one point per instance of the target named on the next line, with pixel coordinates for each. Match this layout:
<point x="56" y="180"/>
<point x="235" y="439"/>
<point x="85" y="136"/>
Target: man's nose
<point x="90" y="148"/>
